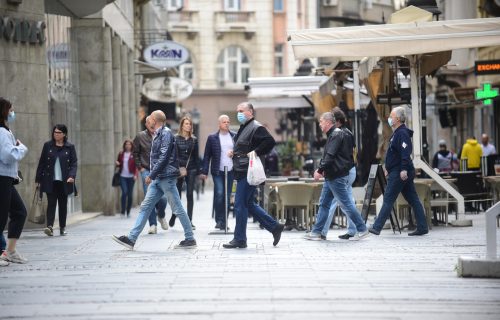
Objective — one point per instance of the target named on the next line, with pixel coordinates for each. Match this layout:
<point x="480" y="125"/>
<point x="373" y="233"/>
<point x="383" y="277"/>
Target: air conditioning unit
<point x="330" y="3"/>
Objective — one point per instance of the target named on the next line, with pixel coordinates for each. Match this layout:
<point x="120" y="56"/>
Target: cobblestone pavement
<point x="88" y="276"/>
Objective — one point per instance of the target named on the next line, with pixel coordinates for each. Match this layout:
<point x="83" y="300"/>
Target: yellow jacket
<point x="473" y="152"/>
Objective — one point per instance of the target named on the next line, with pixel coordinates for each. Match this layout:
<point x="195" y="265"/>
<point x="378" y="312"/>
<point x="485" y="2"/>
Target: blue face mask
<point x="241" y="118"/>
<point x="11" y="117"/>
<point x="389" y="121"/>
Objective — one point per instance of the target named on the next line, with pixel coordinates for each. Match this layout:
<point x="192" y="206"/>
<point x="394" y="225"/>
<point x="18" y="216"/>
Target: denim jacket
<point x="10" y="154"/>
<point x="163" y="160"/>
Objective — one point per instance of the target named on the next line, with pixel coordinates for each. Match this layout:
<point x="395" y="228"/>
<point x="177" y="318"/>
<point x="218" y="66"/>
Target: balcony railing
<point x="184" y="21"/>
<point x="235" y="21"/>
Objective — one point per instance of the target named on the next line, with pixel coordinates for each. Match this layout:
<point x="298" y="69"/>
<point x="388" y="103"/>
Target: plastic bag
<point x="37" y="210"/>
<point x="256" y="174"/>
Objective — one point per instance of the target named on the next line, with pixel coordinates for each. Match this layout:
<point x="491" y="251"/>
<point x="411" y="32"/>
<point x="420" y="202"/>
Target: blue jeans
<point x="3" y="243"/>
<point x="244" y="202"/>
<point x="351" y="227"/>
<point x="156" y="190"/>
<point x="127" y="186"/>
<point x="160" y="206"/>
<point x="338" y="188"/>
<point x="395" y="186"/>
<point x="219" y="201"/>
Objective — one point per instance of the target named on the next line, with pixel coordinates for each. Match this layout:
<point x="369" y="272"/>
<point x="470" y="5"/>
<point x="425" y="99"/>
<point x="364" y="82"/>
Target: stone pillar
<point x="92" y="41"/>
<point x="125" y="97"/>
<point x="117" y="94"/>
<point x="134" y="128"/>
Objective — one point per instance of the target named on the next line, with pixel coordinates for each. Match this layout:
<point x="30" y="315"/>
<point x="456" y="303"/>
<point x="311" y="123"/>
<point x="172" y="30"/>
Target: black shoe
<point x="375" y="232"/>
<point x="48" y="231"/>
<point x="235" y="244"/>
<point x="218" y="225"/>
<point x="186" y="244"/>
<point x="418" y="232"/>
<point x="345" y="236"/>
<point x="63" y="232"/>
<point x="171" y="222"/>
<point x="124" y="241"/>
<point x="322" y="237"/>
<point x="193" y="227"/>
<point x="277" y="233"/>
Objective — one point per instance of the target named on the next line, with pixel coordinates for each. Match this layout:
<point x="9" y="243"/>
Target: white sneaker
<point x="313" y="236"/>
<point x="3" y="263"/>
<point x="13" y="257"/>
<point x="152" y="230"/>
<point x="163" y="223"/>
<point x="360" y="235"/>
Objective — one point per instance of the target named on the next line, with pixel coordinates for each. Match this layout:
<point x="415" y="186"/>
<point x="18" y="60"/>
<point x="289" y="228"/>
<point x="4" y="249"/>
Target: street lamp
<point x="195" y="117"/>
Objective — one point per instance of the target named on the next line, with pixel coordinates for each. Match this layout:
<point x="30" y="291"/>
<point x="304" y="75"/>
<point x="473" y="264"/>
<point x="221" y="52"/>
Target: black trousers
<point x="57" y="197"/>
<point x="191" y="176"/>
<point x="11" y="206"/>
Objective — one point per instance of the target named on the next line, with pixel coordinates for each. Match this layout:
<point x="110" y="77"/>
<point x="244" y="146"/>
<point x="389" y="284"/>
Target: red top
<point x="131" y="163"/>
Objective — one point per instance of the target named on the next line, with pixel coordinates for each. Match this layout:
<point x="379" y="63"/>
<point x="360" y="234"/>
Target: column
<point x="117" y="94"/>
<point x="93" y="44"/>
<point x="133" y="104"/>
<point x="124" y="92"/>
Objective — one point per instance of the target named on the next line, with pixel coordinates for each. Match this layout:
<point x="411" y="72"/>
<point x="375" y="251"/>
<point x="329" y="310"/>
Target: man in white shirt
<point x="218" y="154"/>
<point x="488" y="148"/>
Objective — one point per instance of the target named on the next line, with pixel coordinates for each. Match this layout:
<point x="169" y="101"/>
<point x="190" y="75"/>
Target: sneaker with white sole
<point x="313" y="236"/>
<point x="13" y="257"/>
<point x="124" y="241"/>
<point x="3" y="263"/>
<point x="163" y="223"/>
<point x="360" y="235"/>
<point x="186" y="244"/>
<point x="152" y="229"/>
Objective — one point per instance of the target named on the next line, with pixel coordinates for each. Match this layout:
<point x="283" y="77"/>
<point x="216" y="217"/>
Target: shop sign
<point x="167" y="89"/>
<point x="166" y="54"/>
<point x="487" y="67"/>
<point x="20" y="30"/>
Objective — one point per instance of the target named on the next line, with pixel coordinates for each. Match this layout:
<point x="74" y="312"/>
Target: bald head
<point x="158" y="119"/>
<point x="485" y="139"/>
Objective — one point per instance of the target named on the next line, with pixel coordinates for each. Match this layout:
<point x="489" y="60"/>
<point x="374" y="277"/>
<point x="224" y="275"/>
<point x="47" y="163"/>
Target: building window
<point x="278" y="59"/>
<point x="278" y="6"/>
<point x="232" y="5"/>
<point x="233" y="67"/>
<point x="174" y="5"/>
<point x="186" y="71"/>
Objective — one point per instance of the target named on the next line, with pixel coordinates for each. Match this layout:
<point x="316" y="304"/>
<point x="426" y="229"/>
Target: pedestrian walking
<point x="128" y="174"/>
<point x="11" y="204"/>
<point x="142" y="151"/>
<point x="162" y="181"/>
<point x="56" y="175"/>
<point x="400" y="173"/>
<point x="251" y="136"/>
<point x="335" y="166"/>
<point x="218" y="151"/>
<point x="188" y="155"/>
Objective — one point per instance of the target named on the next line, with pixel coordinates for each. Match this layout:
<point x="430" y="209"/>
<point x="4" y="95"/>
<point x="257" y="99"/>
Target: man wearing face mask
<point x="400" y="173"/>
<point x="251" y="136"/>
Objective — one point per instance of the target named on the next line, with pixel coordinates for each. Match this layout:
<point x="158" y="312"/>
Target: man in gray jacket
<point x="162" y="180"/>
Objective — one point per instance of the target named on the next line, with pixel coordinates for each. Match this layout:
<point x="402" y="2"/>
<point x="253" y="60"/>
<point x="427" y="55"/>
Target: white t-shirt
<point x="226" y="145"/>
<point x="125" y="171"/>
<point x="489" y="149"/>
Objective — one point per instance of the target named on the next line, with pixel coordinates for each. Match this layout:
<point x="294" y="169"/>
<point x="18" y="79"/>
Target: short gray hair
<point x="247" y="106"/>
<point x="328" y="116"/>
<point x="223" y="116"/>
<point x="400" y="113"/>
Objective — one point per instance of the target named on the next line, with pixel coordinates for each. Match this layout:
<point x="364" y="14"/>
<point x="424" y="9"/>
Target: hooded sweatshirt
<point x="473" y="152"/>
<point x="398" y="155"/>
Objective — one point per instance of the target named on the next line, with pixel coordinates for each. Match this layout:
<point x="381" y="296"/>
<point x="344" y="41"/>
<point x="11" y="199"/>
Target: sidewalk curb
<point x="74" y="219"/>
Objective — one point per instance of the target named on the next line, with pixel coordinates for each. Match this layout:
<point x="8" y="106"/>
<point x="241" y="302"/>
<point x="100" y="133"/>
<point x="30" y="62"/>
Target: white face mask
<point x="390" y="121"/>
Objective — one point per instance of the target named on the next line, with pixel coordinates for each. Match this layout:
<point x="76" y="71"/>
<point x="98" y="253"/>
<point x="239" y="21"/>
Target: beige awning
<point x="75" y="8"/>
<point x="355" y="43"/>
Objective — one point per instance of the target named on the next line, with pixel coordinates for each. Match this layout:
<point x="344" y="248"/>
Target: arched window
<point x="233" y="67"/>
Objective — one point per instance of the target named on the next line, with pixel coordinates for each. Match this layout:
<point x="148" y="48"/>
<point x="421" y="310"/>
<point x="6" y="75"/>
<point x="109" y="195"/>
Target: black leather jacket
<point x="338" y="154"/>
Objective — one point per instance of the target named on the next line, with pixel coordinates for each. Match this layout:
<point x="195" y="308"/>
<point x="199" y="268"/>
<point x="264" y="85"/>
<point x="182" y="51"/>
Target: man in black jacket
<point x="251" y="136"/>
<point x="334" y="167"/>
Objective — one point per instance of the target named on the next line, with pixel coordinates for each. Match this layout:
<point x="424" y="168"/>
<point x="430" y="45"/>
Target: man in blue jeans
<point x="251" y="136"/>
<point x="142" y="151"/>
<point x="400" y="173"/>
<point x="218" y="149"/>
<point x="335" y="165"/>
<point x="162" y="180"/>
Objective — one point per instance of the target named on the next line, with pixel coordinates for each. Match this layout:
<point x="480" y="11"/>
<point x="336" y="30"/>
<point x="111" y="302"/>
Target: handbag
<point x="116" y="178"/>
<point x="183" y="170"/>
<point x="37" y="210"/>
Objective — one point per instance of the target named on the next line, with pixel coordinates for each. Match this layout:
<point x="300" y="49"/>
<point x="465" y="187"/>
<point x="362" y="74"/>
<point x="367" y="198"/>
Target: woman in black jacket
<point x="56" y="174"/>
<point x="188" y="156"/>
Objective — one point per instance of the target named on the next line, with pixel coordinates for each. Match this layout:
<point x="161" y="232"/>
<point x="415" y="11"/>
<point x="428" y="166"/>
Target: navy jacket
<point x="398" y="155"/>
<point x="212" y="154"/>
<point x="164" y="161"/>
<point x="47" y="162"/>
